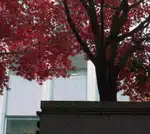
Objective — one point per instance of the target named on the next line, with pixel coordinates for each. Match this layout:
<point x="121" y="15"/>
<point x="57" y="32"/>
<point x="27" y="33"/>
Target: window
<point x="81" y="65"/>
<point x="21" y="125"/>
<point x="74" y="87"/>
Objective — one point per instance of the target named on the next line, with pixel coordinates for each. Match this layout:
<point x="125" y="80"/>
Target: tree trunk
<point x="112" y="77"/>
<point x="106" y="90"/>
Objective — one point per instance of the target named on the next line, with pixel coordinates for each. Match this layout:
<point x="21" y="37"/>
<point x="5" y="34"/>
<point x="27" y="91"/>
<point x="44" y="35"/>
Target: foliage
<point x="43" y="34"/>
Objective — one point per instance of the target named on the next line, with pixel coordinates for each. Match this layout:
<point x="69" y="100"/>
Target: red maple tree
<point x="114" y="35"/>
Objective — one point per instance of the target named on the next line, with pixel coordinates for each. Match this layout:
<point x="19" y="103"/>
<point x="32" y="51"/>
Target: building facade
<point x="18" y="105"/>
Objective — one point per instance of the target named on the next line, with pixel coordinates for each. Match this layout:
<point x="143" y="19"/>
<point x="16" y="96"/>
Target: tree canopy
<point x="37" y="37"/>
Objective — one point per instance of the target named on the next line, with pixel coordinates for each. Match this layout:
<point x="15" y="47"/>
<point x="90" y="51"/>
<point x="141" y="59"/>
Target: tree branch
<point x="135" y="4"/>
<point x="84" y="4"/>
<point x="94" y="24"/>
<point x="137" y="46"/>
<point x="72" y="26"/>
<point x="102" y="22"/>
<point x="118" y="21"/>
<point x="138" y="28"/>
<point x="14" y="53"/>
<point x="116" y="7"/>
<point x="145" y="38"/>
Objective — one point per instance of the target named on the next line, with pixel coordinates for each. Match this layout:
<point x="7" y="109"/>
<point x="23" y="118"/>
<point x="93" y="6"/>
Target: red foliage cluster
<point x="36" y="41"/>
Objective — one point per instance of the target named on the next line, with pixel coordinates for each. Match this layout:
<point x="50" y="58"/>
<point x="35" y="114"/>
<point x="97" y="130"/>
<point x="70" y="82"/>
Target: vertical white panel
<point x="2" y="114"/>
<point x="92" y="93"/>
<point x="3" y="108"/>
<point x="1" y="111"/>
<point x="47" y="90"/>
<point x="73" y="88"/>
<point x="24" y="97"/>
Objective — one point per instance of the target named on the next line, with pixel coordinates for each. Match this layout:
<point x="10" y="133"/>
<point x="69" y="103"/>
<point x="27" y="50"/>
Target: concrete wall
<point x="94" y="118"/>
<point x="91" y="124"/>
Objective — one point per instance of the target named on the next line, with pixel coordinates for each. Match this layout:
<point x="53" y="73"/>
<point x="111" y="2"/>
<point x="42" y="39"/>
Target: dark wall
<point x="94" y="118"/>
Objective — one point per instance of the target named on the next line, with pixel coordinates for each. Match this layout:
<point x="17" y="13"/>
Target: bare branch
<point x="72" y="26"/>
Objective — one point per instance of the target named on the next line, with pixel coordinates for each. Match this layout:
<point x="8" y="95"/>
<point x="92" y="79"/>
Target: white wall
<point x="3" y="111"/>
<point x="92" y="90"/>
<point x="24" y="97"/>
<point x="1" y="108"/>
<point x="120" y="97"/>
<point x="73" y="88"/>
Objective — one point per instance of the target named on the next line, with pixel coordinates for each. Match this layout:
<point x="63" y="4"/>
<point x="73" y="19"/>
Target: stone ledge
<point x="98" y="108"/>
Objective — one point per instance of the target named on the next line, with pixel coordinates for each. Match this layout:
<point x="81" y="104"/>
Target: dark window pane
<point x="24" y="125"/>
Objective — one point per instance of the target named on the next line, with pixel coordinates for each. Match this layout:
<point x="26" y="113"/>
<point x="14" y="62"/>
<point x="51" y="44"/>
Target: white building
<point x="18" y="105"/>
